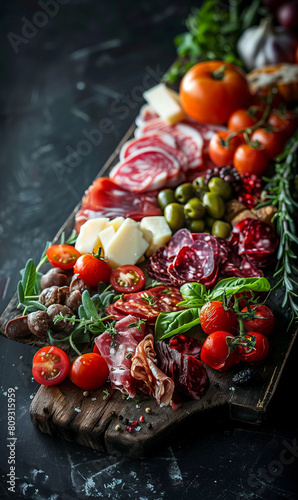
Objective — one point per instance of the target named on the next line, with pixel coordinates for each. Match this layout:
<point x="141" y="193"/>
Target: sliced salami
<point x="147" y="170"/>
<point x="146" y="114"/>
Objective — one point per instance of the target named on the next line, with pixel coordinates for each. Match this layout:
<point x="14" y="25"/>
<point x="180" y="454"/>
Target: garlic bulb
<point x="266" y="44"/>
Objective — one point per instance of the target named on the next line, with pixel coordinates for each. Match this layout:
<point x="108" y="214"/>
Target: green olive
<point x="174" y="215"/>
<point x="219" y="186"/>
<point x="209" y="221"/>
<point x="165" y="197"/>
<point x="194" y="209"/>
<point x="199" y="183"/>
<point x="196" y="225"/>
<point x="221" y="229"/>
<point x="215" y="206"/>
<point x="185" y="192"/>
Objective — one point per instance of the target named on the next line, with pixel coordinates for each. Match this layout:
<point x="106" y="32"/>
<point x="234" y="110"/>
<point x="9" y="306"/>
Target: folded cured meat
<point x="117" y="346"/>
<point x="145" y="369"/>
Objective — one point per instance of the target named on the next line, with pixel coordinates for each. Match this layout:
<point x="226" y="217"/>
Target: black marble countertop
<point x="69" y="67"/>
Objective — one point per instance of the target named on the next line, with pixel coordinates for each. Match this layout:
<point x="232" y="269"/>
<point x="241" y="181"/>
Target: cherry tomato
<point x="249" y="295"/>
<point x="214" y="316"/>
<point x="286" y="121"/>
<point x="219" y="351"/>
<point x="220" y="153"/>
<point x="92" y="270"/>
<point x="264" y="321"/>
<point x="128" y="278"/>
<point x="243" y="118"/>
<point x="254" y="349"/>
<point x="50" y="365"/>
<point x="272" y="140"/>
<point x="62" y="256"/>
<point x="89" y="371"/>
<point x="211" y="90"/>
<point x="251" y="160"/>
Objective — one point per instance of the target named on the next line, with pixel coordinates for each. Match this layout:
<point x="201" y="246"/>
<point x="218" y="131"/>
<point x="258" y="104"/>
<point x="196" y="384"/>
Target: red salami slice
<point x="155" y="140"/>
<point x="105" y="198"/>
<point x="182" y="238"/>
<point x="146" y="114"/>
<point x="146" y="170"/>
<point x="148" y="304"/>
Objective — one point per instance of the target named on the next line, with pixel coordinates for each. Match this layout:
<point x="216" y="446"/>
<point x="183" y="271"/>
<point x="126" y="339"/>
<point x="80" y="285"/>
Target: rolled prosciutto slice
<point x="117" y="346"/>
<point x="144" y="368"/>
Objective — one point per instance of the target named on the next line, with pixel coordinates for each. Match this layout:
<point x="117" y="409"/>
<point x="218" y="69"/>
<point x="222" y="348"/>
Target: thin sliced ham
<point x="117" y="347"/>
<point x="144" y="368"/>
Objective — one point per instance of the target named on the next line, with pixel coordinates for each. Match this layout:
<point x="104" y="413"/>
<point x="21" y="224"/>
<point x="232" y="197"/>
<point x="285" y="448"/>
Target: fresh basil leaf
<point x="230" y="286"/>
<point x="171" y="323"/>
<point x="194" y="294"/>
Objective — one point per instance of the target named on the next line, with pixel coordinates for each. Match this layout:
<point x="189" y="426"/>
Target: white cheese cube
<point x="88" y="238"/>
<point x="127" y="245"/>
<point x="166" y="103"/>
<point x="159" y="230"/>
<point x="116" y="223"/>
<point x="106" y="236"/>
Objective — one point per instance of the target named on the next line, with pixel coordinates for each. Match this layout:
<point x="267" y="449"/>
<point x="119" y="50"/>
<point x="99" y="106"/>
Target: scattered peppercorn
<point x="149" y="425"/>
<point x="118" y="427"/>
<point x="148" y="410"/>
<point x="85" y="393"/>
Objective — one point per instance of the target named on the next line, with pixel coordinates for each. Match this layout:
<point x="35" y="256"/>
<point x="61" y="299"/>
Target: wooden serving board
<point x="93" y="421"/>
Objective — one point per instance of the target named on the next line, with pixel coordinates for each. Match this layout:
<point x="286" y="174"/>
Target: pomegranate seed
<point x="129" y="428"/>
<point x="135" y="423"/>
<point x="141" y="419"/>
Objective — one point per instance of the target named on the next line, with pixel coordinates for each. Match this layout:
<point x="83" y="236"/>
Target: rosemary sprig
<point x="279" y="193"/>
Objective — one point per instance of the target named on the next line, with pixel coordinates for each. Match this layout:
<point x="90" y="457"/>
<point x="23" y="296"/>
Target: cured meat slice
<point x="104" y="198"/>
<point x="144" y="368"/>
<point x="189" y="375"/>
<point x="148" y="304"/>
<point x="186" y="345"/>
<point x="147" y="170"/>
<point x="117" y="346"/>
<point x="182" y="238"/>
<point x="159" y="140"/>
<point x="146" y="114"/>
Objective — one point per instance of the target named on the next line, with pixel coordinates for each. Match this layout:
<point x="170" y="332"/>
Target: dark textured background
<point x="84" y="69"/>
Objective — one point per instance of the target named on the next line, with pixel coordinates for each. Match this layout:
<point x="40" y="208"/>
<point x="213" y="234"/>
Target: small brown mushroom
<point x="38" y="323"/>
<point x="61" y="325"/>
<point x="54" y="295"/>
<point x="54" y="277"/>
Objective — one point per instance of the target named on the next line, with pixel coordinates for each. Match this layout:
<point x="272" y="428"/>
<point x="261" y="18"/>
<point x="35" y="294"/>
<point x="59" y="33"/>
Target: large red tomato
<point x="210" y="91"/>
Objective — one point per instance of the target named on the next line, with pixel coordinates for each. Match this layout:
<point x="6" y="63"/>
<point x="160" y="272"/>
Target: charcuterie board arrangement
<point x="171" y="291"/>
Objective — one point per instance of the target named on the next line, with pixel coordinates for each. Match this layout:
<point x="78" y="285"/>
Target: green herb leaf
<point x="172" y="323"/>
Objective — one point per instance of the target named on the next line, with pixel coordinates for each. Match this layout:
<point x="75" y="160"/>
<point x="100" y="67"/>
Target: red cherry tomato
<point x="243" y="118"/>
<point x="220" y="153"/>
<point x="254" y="347"/>
<point x="219" y="351"/>
<point x="251" y="160"/>
<point x="211" y="90"/>
<point x="89" y="371"/>
<point x="272" y="140"/>
<point x="128" y="278"/>
<point x="50" y="365"/>
<point x="286" y="121"/>
<point x="214" y="316"/>
<point x="92" y="270"/>
<point x="62" y="256"/>
<point x="264" y="321"/>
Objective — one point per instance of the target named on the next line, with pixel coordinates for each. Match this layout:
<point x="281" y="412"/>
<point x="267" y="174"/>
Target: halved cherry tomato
<point x="50" y="365"/>
<point x="254" y="347"/>
<point x="92" y="270"/>
<point x="89" y="371"/>
<point x="220" y="153"/>
<point x="128" y="278"/>
<point x="263" y="322"/>
<point x="211" y="90"/>
<point x="219" y="351"/>
<point x="62" y="256"/>
<point x="272" y="140"/>
<point x="251" y="160"/>
<point x="214" y="317"/>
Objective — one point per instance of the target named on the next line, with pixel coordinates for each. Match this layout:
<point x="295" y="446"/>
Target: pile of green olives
<point x="198" y="206"/>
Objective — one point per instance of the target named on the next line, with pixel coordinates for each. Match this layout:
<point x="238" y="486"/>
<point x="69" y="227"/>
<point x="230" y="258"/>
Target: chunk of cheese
<point x="127" y="245"/>
<point x="166" y="103"/>
<point x="106" y="236"/>
<point x="157" y="231"/>
<point x="88" y="238"/>
<point x="116" y="223"/>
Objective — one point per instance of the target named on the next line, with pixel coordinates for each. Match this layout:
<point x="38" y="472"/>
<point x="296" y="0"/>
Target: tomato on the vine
<point x="89" y="371"/>
<point x="272" y="140"/>
<point x="127" y="279"/>
<point x="219" y="351"/>
<point x="92" y="270"/>
<point x="286" y="121"/>
<point x="214" y="316"/>
<point x="211" y="90"/>
<point x="50" y="365"/>
<point x="263" y="322"/>
<point x="253" y="347"/>
<point x="62" y="256"/>
<point x="243" y="118"/>
<point x="251" y="160"/>
<point x="220" y="152"/>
